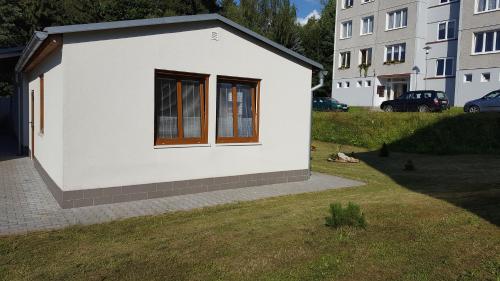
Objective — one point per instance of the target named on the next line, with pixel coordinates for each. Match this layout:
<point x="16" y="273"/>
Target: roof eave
<point x="32" y="46"/>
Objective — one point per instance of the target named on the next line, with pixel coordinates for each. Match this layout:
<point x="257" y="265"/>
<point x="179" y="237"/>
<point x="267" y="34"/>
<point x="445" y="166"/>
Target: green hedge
<point x="450" y="132"/>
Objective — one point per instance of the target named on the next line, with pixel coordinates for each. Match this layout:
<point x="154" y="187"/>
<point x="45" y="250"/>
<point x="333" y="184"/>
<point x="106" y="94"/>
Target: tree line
<point x="274" y="19"/>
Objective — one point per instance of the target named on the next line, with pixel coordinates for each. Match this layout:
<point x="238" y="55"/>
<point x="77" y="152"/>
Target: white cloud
<point x="314" y="14"/>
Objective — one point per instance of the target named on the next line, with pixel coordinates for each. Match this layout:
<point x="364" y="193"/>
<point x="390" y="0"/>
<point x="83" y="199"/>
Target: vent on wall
<point x="215" y="35"/>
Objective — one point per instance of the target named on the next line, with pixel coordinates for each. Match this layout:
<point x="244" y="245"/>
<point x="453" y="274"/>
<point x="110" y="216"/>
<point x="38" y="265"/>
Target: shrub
<point x="348" y="216"/>
<point x="384" y="151"/>
<point x="409" y="166"/>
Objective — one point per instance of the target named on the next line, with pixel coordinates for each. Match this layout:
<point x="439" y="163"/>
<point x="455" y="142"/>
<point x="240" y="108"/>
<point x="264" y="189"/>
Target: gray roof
<point x="172" y="20"/>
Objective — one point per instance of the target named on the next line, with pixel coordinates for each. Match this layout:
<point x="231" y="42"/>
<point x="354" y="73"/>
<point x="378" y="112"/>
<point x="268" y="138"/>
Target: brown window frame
<point x="179" y="76"/>
<point x="255" y="83"/>
<point x="42" y="104"/>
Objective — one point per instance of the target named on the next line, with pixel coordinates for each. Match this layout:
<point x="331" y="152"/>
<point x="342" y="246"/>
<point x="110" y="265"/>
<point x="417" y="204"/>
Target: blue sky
<point x="305" y="7"/>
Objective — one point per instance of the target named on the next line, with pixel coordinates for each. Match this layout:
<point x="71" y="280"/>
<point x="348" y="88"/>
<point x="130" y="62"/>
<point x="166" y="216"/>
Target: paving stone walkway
<point x="27" y="205"/>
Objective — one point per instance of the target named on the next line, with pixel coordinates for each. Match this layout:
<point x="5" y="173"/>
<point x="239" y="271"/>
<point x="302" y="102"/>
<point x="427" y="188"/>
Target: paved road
<point x="27" y="205"/>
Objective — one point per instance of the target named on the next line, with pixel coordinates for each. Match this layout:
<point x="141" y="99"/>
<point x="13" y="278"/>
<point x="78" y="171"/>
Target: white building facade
<point x="385" y="48"/>
<point x="141" y="109"/>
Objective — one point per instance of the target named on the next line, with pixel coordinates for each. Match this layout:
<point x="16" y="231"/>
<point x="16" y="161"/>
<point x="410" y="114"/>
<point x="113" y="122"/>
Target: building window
<point x="347" y="4"/>
<point x="359" y="84"/>
<point x="365" y="56"/>
<point x="339" y="84"/>
<point x="468" y="77"/>
<point x="237" y="109"/>
<point x="446" y="30"/>
<point x="397" y="19"/>
<point x="180" y="108"/>
<point x="485" y="77"/>
<point x="487" y="5"/>
<point x="347" y="84"/>
<point x="444" y="67"/>
<point x="486" y="42"/>
<point x="345" y="60"/>
<point x="395" y="53"/>
<point x="42" y="104"/>
<point x="366" y="1"/>
<point x="346" y="31"/>
<point x="367" y="25"/>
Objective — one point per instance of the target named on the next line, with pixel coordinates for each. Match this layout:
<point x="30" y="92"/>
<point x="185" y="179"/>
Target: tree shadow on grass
<point x="445" y="167"/>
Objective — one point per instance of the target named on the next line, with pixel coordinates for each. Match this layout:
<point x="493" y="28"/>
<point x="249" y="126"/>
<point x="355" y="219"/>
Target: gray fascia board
<point x="173" y="20"/>
<point x="35" y="42"/>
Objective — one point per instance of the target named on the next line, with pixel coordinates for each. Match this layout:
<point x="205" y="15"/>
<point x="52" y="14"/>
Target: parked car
<point x="328" y="104"/>
<point x="490" y="102"/>
<point x="422" y="101"/>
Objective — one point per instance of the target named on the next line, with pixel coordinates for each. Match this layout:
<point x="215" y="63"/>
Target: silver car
<point x="490" y="102"/>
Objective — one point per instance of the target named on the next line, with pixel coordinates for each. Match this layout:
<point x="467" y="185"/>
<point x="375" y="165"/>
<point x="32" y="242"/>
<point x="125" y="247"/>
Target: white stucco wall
<point x="48" y="146"/>
<point x="109" y="106"/>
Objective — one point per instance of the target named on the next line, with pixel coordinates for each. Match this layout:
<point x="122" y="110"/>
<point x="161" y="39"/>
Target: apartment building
<point x="478" y="64"/>
<point x="384" y="48"/>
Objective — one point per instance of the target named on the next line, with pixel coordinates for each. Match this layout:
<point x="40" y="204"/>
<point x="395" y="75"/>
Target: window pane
<point x="166" y="96"/>
<point x="489" y="42"/>
<point x="451" y="30"/>
<point x="440" y="67"/>
<point x="492" y="5"/>
<point x="369" y="61"/>
<point x="370" y="25"/>
<point x="396" y="53"/>
<point x="388" y="56"/>
<point x="191" y="109"/>
<point x="348" y="59"/>
<point x="403" y="53"/>
<point x="442" y="31"/>
<point x="245" y="115"/>
<point x="349" y="29"/>
<point x="398" y="19"/>
<point x="481" y="5"/>
<point x="449" y="67"/>
<point x="479" y="42"/>
<point x="405" y="17"/>
<point x="224" y="110"/>
<point x="498" y="41"/>
<point x="391" y="21"/>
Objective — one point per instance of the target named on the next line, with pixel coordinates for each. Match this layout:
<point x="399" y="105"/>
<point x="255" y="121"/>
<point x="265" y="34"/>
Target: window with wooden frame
<point x="42" y="104"/>
<point x="181" y="111"/>
<point x="237" y="109"/>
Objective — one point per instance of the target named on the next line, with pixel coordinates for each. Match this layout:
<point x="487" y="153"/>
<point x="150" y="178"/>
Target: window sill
<point x="485" y="12"/>
<point x="239" y="144"/>
<point x="485" y="53"/>
<point x="366" y="34"/>
<point x="396" y="28"/>
<point x="166" y="146"/>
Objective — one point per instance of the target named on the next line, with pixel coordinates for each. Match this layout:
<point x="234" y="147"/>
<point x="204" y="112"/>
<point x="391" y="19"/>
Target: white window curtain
<point x="167" y="108"/>
<point x="191" y="111"/>
<point x="224" y="110"/>
<point x="245" y="115"/>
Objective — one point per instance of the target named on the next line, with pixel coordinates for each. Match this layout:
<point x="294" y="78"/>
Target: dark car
<point x="490" y="102"/>
<point x="421" y="101"/>
<point x="328" y="104"/>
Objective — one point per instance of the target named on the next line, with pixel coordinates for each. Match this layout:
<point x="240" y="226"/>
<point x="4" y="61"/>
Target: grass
<point x="443" y="226"/>
<point x="449" y="132"/>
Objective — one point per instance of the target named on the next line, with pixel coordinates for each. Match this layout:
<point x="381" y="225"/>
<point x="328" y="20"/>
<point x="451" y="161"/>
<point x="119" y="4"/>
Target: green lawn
<point x="437" y="223"/>
<point x="449" y="132"/>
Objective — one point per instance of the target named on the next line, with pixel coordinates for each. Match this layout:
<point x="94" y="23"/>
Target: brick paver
<point x="27" y="205"/>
